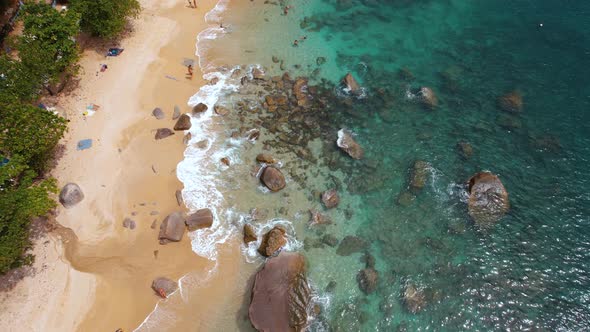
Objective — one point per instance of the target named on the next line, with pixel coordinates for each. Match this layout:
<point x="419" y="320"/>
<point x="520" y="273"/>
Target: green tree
<point x="105" y="18"/>
<point x="28" y="135"/>
<point x="47" y="48"/>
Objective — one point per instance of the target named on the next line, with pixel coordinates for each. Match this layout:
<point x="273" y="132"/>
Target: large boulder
<point x="511" y="102"/>
<point x="158" y="113"/>
<point x="367" y="280"/>
<point x="330" y="198"/>
<point x="350" y="83"/>
<point x="164" y="286"/>
<point x="418" y="176"/>
<point x="350" y="245"/>
<point x="349" y="145"/>
<point x="273" y="179"/>
<point x="163" y="133"/>
<point x="281" y="297"/>
<point x="172" y="228"/>
<point x="200" y="108"/>
<point x="202" y="218"/>
<point x="183" y="123"/>
<point x="265" y="158"/>
<point x="272" y="241"/>
<point x="70" y="195"/>
<point x="488" y="199"/>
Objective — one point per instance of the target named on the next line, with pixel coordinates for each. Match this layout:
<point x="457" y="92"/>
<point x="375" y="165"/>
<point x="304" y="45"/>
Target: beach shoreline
<point x="125" y="174"/>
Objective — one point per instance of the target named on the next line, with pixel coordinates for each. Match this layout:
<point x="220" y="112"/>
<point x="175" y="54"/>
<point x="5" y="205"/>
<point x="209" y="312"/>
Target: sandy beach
<point x="93" y="274"/>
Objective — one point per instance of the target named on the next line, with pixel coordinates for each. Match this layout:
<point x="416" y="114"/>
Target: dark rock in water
<point x="200" y="108"/>
<point x="162" y="133"/>
<point x="427" y="97"/>
<point x="265" y="158"/>
<point x="70" y="195"/>
<point x="369" y="260"/>
<point x="164" y="286"/>
<point x="220" y="110"/>
<point x="367" y="280"/>
<point x="253" y="134"/>
<point x="129" y="223"/>
<point x="350" y="83"/>
<point x="405" y="74"/>
<point x="312" y="242"/>
<point x="158" y="113"/>
<point x="546" y="142"/>
<point x="257" y="74"/>
<point x="176" y="113"/>
<point x="318" y="218"/>
<point x="350" y="245"/>
<point x="320" y="60"/>
<point x="301" y="93"/>
<point x="249" y="234"/>
<point x="405" y="198"/>
<point x="202" y="218"/>
<point x="172" y="228"/>
<point x="330" y="198"/>
<point x="330" y="240"/>
<point x="258" y="214"/>
<point x="418" y="176"/>
<point x="183" y="123"/>
<point x="488" y="199"/>
<point x="281" y="297"/>
<point x="187" y="138"/>
<point x="414" y="299"/>
<point x="275" y="59"/>
<point x="179" y="199"/>
<point x="349" y="145"/>
<point x="225" y="161"/>
<point x="272" y="241"/>
<point x="273" y="179"/>
<point x="511" y="102"/>
<point x="331" y="287"/>
<point x="509" y="122"/>
<point x="465" y="149"/>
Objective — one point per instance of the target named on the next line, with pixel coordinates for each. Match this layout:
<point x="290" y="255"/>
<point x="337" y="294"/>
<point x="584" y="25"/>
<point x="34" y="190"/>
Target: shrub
<point x="105" y="18"/>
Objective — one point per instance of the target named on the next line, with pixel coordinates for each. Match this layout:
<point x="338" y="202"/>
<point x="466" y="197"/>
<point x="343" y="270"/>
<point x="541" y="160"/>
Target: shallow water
<point x="528" y="271"/>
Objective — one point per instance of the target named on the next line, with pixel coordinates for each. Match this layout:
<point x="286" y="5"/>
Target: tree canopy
<point x="105" y="18"/>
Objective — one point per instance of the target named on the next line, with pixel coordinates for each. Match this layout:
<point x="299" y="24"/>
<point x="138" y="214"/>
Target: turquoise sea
<point x="530" y="270"/>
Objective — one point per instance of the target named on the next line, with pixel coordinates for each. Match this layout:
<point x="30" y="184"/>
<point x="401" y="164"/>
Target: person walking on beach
<point x="192" y="4"/>
<point x="190" y="71"/>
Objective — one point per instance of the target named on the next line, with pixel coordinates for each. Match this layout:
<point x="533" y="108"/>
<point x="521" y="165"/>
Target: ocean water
<point x="528" y="271"/>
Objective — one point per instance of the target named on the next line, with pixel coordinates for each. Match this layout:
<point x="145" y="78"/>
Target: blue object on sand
<point x="42" y="106"/>
<point x="115" y="51"/>
<point x="85" y="144"/>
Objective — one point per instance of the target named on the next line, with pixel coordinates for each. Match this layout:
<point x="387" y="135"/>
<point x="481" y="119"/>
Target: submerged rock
<point x="249" y="234"/>
<point x="220" y="110"/>
<point x="183" y="123"/>
<point x="172" y="228"/>
<point x="162" y="133"/>
<point x="349" y="145"/>
<point x="488" y="199"/>
<point x="164" y="286"/>
<point x="350" y="83"/>
<point x="350" y="245"/>
<point x="265" y="158"/>
<point x="273" y="179"/>
<point x="272" y="241"/>
<point x="511" y="102"/>
<point x="330" y="198"/>
<point x="318" y="218"/>
<point x="418" y="176"/>
<point x="202" y="218"/>
<point x="465" y="150"/>
<point x="70" y="195"/>
<point x="414" y="299"/>
<point x="257" y="74"/>
<point x="281" y="297"/>
<point x="367" y="280"/>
